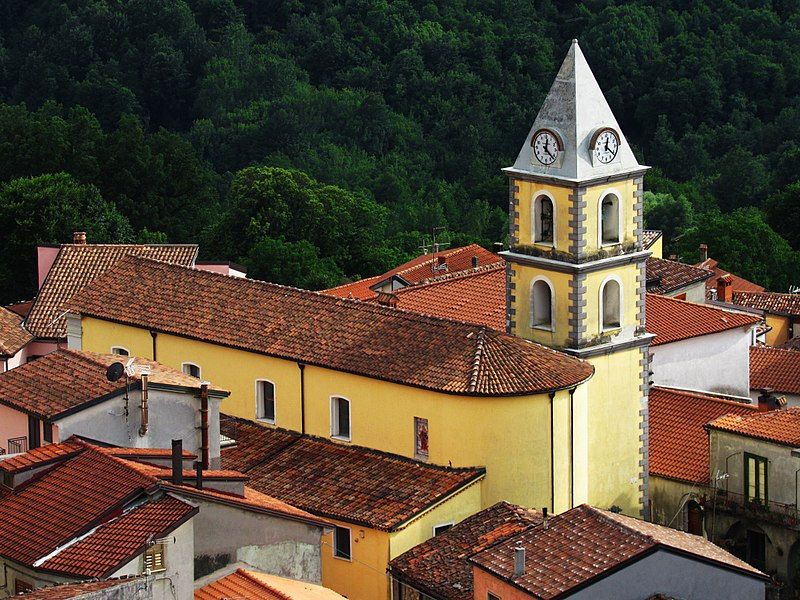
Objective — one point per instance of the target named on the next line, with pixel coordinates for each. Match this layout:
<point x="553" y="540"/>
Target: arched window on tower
<point x="611" y="304"/>
<point x="541" y="305"/>
<point x="609" y="219"/>
<point x="543" y="220"/>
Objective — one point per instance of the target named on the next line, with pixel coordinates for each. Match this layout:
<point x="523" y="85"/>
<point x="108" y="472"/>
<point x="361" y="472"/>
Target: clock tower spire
<point x="576" y="278"/>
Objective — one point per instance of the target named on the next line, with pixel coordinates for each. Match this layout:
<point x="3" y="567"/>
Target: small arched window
<point x="543" y="224"/>
<point x="541" y="305"/>
<point x="191" y="369"/>
<point x="611" y="304"/>
<point x="120" y="351"/>
<point x="340" y="418"/>
<point x="609" y="219"/>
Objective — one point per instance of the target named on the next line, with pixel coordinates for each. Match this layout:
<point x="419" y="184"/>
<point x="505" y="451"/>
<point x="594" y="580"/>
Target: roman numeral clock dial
<point x="547" y="146"/>
<point x="604" y="145"/>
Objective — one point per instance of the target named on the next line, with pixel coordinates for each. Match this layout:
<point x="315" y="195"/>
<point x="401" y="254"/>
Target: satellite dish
<point x="115" y="371"/>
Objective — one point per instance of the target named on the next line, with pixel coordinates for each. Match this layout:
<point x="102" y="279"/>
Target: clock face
<point x="606" y="145"/>
<point x="546" y="146"/>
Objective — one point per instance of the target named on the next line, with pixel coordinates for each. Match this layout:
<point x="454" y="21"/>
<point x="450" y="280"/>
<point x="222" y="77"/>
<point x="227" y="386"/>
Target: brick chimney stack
<point x="725" y="289"/>
<point x="703" y="252"/>
<point x="79" y="237"/>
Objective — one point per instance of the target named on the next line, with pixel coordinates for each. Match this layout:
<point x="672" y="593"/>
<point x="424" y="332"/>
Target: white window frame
<point x="535" y="220"/>
<point x="435" y="527"/>
<point x="127" y="352"/>
<point x="259" y="399"/>
<point x="333" y="539"/>
<point x="610" y="192"/>
<point x="532" y="309"/>
<point x="601" y="304"/>
<point x="191" y="364"/>
<point x="335" y="419"/>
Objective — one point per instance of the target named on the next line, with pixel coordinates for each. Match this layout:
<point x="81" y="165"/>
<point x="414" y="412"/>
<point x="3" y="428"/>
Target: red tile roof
<point x="349" y="483"/>
<point x="775" y="368"/>
<point x="771" y="302"/>
<point x="344" y="335"/>
<point x="474" y="295"/>
<point x="65" y="380"/>
<point x="738" y="284"/>
<point x="115" y="542"/>
<point x="778" y="426"/>
<point x="665" y="276"/>
<point x="41" y="456"/>
<point x="76" y="590"/>
<point x="251" y="585"/>
<point x="78" y="265"/>
<point x="440" y="566"/>
<point x="13" y="336"/>
<point x="585" y="543"/>
<point x="650" y="237"/>
<point x="678" y="441"/>
<point x="419" y="269"/>
<point x="671" y="319"/>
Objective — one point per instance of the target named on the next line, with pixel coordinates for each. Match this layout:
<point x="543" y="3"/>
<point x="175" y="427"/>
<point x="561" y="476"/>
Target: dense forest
<point x="318" y="141"/>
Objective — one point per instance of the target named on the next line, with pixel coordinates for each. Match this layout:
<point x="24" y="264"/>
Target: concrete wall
<point x="694" y="293"/>
<point x="275" y="545"/>
<point x="177" y="581"/>
<point x="668" y="499"/>
<point x="11" y="571"/>
<point x="719" y="363"/>
<point x="674" y="576"/>
<point x="172" y="415"/>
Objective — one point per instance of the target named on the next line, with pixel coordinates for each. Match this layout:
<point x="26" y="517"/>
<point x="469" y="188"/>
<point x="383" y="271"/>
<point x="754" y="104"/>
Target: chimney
<point x="519" y="561"/>
<point x="725" y="289"/>
<point x="544" y="516"/>
<point x="767" y="401"/>
<point x="177" y="462"/>
<point x="204" y="448"/>
<point x="497" y="247"/>
<point x="441" y="263"/>
<point x="672" y="257"/>
<point x="198" y="477"/>
<point x="145" y="412"/>
<point x="703" y="253"/>
<point x="474" y="262"/>
<point x="79" y="237"/>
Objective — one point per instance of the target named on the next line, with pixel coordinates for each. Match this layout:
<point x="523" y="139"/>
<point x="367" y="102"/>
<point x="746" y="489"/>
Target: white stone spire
<point x="575" y="109"/>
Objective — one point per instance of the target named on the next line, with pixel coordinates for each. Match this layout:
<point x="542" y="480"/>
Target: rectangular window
<point x="340" y="418"/>
<point x="341" y="542"/>
<point x="191" y="369"/>
<point x="48" y="433"/>
<point x="265" y="399"/>
<point x="154" y="558"/>
<point x="755" y="477"/>
<point x="421" y="438"/>
<point x="440" y="529"/>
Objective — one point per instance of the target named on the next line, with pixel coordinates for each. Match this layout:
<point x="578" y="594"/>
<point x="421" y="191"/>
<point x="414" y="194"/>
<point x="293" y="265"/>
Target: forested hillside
<point x="317" y="141"/>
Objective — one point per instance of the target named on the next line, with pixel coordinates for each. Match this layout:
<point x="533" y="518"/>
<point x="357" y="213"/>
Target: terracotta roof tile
<point x="664" y="276"/>
<point x="440" y="566"/>
<point x="474" y="295"/>
<point x="41" y="456"/>
<point x="792" y="344"/>
<point x="13" y="336"/>
<point x="678" y="441"/>
<point x="76" y="590"/>
<point x="67" y="379"/>
<point x="252" y="585"/>
<point x="771" y="302"/>
<point x="419" y="269"/>
<point x="78" y="265"/>
<point x="347" y="482"/>
<point x="775" y="368"/>
<point x="671" y="319"/>
<point x="738" y="284"/>
<point x="115" y="542"/>
<point x="251" y="446"/>
<point x="345" y="335"/>
<point x="779" y="426"/>
<point x="650" y="237"/>
<point x="584" y="543"/>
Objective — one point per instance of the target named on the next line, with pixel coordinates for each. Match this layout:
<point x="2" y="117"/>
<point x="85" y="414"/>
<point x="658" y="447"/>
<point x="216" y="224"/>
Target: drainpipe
<point x="145" y="412"/>
<point x="552" y="458"/>
<point x="571" y="450"/>
<point x="204" y="424"/>
<point x="154" y="335"/>
<point x="198" y="477"/>
<point x="177" y="462"/>
<point x="302" y="368"/>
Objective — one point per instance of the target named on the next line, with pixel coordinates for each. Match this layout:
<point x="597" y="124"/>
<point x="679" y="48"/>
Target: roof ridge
<point x="703" y="395"/>
<point x="774" y="348"/>
<point x="249" y="576"/>
<point x="462" y="274"/>
<point x="477" y="360"/>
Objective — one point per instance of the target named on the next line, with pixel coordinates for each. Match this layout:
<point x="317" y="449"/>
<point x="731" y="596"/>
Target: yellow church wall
<point x="509" y="436"/>
<point x="453" y="510"/>
<point x="523" y="279"/>
<point x="781" y="330"/>
<point x="593" y="196"/>
<point x="528" y="192"/>
<point x="363" y="577"/>
<point x="657" y="248"/>
<point x="613" y="431"/>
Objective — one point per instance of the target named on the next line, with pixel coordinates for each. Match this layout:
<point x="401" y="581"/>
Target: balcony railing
<point x="770" y="511"/>
<point x="17" y="445"/>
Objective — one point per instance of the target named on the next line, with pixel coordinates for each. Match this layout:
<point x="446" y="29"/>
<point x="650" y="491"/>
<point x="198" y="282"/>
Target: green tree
<point x="47" y="209"/>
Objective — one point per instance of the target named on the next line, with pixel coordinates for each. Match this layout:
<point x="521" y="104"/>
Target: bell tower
<point x="576" y="275"/>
